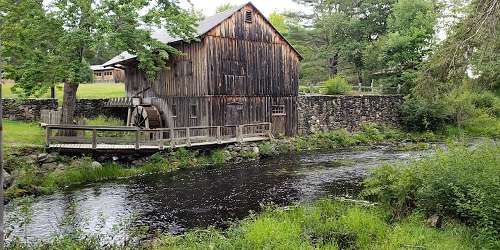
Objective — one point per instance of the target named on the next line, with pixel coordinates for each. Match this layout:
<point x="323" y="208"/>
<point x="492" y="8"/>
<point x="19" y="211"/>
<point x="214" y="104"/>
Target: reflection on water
<point x="203" y="197"/>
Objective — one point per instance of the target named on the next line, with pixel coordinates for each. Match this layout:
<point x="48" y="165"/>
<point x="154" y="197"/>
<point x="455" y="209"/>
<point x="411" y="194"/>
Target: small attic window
<point x="248" y="16"/>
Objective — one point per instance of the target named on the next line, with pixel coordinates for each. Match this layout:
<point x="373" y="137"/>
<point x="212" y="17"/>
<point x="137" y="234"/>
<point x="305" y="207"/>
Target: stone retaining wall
<point x="322" y="113"/>
<point x="29" y="109"/>
<point x="26" y="110"/>
<point x="316" y="113"/>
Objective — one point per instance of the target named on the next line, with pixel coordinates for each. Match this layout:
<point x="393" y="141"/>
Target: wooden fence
<point x="119" y="138"/>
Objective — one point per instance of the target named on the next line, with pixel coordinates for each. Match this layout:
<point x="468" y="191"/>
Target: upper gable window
<point x="248" y="16"/>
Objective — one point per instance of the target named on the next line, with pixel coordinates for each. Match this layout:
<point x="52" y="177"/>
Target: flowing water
<point x="198" y="198"/>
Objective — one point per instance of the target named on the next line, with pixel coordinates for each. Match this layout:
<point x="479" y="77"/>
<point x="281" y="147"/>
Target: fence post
<point x="137" y="139"/>
<point x="48" y="133"/>
<point x="270" y="130"/>
<point x="360" y="88"/>
<point x="172" y="142"/>
<point x="240" y="134"/>
<point x="219" y="141"/>
<point x="371" y="86"/>
<point x="159" y="137"/>
<point x="94" y="139"/>
<point x="188" y="136"/>
<point x="399" y="88"/>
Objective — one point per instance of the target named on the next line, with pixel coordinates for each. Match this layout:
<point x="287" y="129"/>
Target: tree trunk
<point x="360" y="76"/>
<point x="68" y="106"/>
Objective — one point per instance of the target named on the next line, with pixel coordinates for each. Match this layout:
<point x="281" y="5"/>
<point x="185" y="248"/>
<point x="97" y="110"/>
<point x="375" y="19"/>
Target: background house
<point x="107" y="75"/>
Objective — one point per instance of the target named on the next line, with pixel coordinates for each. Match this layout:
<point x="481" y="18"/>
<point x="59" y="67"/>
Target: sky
<point x="265" y="6"/>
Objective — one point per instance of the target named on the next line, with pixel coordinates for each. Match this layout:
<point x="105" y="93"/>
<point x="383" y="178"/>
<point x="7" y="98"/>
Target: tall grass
<point x="460" y="183"/>
<point x="325" y="224"/>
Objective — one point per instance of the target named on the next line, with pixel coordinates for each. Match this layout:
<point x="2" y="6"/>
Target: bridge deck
<point x="106" y="138"/>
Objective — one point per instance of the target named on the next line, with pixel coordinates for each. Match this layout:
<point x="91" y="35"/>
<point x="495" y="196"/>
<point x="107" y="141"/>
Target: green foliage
<point x="469" y="52"/>
<point x="278" y="21"/>
<point x="396" y="55"/>
<point x="460" y="183"/>
<point x="337" y="86"/>
<point x="420" y="115"/>
<point x="224" y="7"/>
<point x="218" y="157"/>
<point x="104" y="120"/>
<point x="323" y="225"/>
<point x="267" y="149"/>
<point x="62" y="38"/>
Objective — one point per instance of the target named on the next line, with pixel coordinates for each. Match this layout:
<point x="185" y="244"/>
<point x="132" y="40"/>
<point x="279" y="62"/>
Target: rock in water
<point x="96" y="164"/>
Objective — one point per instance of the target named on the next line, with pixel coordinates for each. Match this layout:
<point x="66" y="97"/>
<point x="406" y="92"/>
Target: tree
<point x="224" y="7"/>
<point x="469" y="52"/>
<point x="336" y="35"/>
<point x="396" y="56"/>
<point x="61" y="40"/>
<point x="278" y="21"/>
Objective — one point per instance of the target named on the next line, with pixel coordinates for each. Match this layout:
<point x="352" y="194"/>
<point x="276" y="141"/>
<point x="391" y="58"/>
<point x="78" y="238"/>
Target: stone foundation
<point x="316" y="113"/>
<point x="322" y="113"/>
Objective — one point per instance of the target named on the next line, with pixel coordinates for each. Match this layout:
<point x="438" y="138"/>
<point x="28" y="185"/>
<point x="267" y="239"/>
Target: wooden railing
<point x="109" y="137"/>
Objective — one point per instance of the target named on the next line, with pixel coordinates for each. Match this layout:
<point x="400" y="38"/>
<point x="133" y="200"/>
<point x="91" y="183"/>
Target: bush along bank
<point x="32" y="171"/>
<point x="460" y="183"/>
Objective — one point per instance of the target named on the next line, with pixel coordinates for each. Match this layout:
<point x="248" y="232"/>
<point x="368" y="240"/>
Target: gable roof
<point x="203" y="27"/>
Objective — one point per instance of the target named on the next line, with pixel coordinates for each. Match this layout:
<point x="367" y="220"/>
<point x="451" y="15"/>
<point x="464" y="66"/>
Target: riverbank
<point x="31" y="171"/>
<point x="432" y="203"/>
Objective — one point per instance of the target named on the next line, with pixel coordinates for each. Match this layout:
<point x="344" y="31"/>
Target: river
<point x="198" y="198"/>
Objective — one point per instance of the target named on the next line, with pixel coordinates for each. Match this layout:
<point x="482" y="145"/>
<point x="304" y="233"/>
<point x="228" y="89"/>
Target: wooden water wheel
<point x="147" y="117"/>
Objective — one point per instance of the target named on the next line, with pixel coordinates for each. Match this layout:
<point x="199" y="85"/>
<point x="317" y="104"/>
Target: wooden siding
<point x="167" y="82"/>
<point x="268" y="69"/>
<point x="234" y="75"/>
<point x="214" y="110"/>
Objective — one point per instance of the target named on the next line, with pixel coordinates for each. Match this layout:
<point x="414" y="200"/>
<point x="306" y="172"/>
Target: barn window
<point x="248" y="16"/>
<point x="278" y="110"/>
<point x="194" y="111"/>
<point x="174" y="110"/>
<point x="98" y="74"/>
<point x="183" y="68"/>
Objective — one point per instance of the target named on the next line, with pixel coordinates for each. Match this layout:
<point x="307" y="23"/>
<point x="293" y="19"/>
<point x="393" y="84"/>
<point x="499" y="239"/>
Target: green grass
<point x="325" y="224"/>
<point x="85" y="91"/>
<point x="22" y="133"/>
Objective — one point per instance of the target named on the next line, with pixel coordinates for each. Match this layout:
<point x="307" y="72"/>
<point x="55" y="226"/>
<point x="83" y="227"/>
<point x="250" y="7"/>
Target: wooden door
<point x="234" y="114"/>
<point x="278" y="119"/>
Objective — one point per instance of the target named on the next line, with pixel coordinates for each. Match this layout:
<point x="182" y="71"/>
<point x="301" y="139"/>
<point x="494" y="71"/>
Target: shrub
<point x="420" y="115"/>
<point x="337" y="86"/>
<point x="267" y="149"/>
<point x="218" y="157"/>
<point x="461" y="183"/>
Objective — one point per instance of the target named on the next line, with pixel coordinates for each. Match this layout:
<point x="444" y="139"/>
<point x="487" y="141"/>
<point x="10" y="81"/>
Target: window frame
<point x="278" y="110"/>
<point x="173" y="110"/>
<point x="248" y="16"/>
<point x="193" y="111"/>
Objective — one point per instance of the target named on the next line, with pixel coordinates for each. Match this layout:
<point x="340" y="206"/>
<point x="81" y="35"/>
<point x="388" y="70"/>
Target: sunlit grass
<point x="85" y="91"/>
<point x="22" y="133"/>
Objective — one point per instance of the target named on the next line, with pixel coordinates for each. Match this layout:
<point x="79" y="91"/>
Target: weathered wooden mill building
<point x="242" y="71"/>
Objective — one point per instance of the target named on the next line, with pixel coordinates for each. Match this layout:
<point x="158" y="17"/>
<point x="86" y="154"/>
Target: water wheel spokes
<point x="146" y="117"/>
